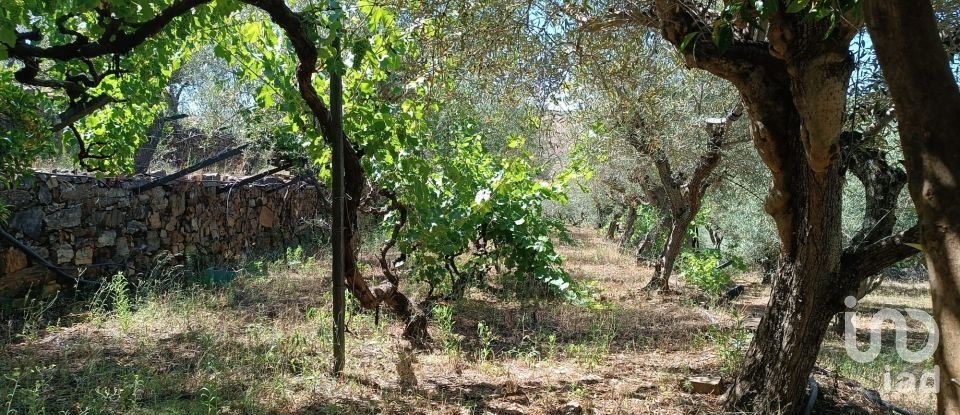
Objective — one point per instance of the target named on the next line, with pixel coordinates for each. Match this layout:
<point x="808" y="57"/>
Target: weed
<point x="210" y="399"/>
<point x="551" y="348"/>
<point x="35" y="315"/>
<point x="257" y="269"/>
<point x="486" y="337"/>
<point x="121" y="300"/>
<point x="28" y="389"/>
<point x="729" y="344"/>
<point x="4" y="211"/>
<point x="449" y="341"/>
<point x="294" y="257"/>
<point x="112" y="300"/>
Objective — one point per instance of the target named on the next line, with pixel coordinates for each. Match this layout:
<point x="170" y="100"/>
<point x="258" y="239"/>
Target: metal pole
<point x="336" y="130"/>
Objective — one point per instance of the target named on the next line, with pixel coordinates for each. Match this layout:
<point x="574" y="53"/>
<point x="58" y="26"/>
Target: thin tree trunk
<point x="695" y="239"/>
<point x="387" y="292"/>
<point x="628" y="227"/>
<point x="145" y="153"/>
<point x="716" y="237"/>
<point x="602" y="213"/>
<point x="337" y="197"/>
<point x="928" y="103"/>
<point x="669" y="254"/>
<point x="614" y="226"/>
<point x="651" y="237"/>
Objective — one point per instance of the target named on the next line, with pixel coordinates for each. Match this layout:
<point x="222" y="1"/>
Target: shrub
<point x="703" y="270"/>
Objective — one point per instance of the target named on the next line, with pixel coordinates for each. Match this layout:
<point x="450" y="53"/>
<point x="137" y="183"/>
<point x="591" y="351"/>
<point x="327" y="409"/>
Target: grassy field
<point x="261" y="345"/>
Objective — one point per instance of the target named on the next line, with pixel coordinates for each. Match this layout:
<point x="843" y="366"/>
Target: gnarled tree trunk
<point x="806" y="206"/>
<point x="793" y="78"/>
<point x="882" y="184"/>
<point x="917" y="70"/>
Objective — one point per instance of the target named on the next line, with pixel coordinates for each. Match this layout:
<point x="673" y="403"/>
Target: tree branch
<point x="401" y="210"/>
<point x="718" y="128"/>
<point x="111" y="42"/>
<point x="633" y="15"/>
<point x="75" y="112"/>
<point x="857" y="264"/>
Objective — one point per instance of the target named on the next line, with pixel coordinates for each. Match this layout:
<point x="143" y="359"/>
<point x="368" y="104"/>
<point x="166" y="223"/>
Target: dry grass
<point x="261" y="345"/>
<point x="899" y="296"/>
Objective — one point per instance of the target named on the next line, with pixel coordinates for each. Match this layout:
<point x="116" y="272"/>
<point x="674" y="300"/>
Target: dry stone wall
<point x="95" y="227"/>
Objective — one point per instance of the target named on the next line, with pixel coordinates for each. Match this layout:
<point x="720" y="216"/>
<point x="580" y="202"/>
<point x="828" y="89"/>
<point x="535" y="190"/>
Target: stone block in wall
<point x="158" y="199"/>
<point x="153" y="241"/>
<point x="64" y="254"/>
<point x="107" y="238"/>
<point x="83" y="232"/>
<point x="18" y="198"/>
<point x="123" y="247"/>
<point x="24" y="279"/>
<point x="178" y="205"/>
<point x="267" y="217"/>
<point x="138" y="211"/>
<point x="28" y="222"/>
<point x="154" y="220"/>
<point x="74" y="192"/>
<point x="112" y="196"/>
<point x="134" y="227"/>
<point x="13" y="260"/>
<point x="44" y="196"/>
<point x="84" y="255"/>
<point x="67" y="217"/>
<point x="110" y="218"/>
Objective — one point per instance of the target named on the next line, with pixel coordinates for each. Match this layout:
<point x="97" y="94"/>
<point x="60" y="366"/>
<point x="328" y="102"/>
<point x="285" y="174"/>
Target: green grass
<point x="174" y="347"/>
<point x="168" y="344"/>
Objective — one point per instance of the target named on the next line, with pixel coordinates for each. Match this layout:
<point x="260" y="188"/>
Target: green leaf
<point x="250" y="32"/>
<point x="723" y="36"/>
<point x="221" y="52"/>
<point x="690" y="37"/>
<point x="796" y="6"/>
<point x="833" y="26"/>
<point x="8" y="36"/>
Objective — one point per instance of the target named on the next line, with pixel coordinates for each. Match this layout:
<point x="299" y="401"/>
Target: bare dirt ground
<point x="262" y="344"/>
